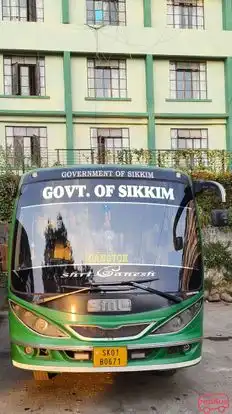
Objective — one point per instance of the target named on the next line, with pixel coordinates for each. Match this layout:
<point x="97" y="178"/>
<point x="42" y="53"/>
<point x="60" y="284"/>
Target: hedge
<point x="8" y="186"/>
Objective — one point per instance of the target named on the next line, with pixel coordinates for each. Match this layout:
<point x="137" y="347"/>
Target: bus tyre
<point x="166" y="373"/>
<point x="41" y="375"/>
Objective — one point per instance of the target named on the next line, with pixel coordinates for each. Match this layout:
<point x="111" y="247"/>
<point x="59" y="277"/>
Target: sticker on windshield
<point x="106" y="191"/>
<point x="115" y="271"/>
<point x="88" y="274"/>
<point x="107" y="173"/>
<point x="106" y="258"/>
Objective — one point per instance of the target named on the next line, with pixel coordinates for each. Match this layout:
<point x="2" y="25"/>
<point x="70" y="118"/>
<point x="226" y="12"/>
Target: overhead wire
<point x="121" y="37"/>
<point x="101" y="55"/>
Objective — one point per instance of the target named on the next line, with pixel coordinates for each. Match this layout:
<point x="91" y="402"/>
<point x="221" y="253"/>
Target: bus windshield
<point x="70" y="231"/>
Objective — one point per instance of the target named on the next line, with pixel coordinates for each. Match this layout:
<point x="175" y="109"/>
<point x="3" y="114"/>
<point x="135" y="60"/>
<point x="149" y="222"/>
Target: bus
<point x="106" y="270"/>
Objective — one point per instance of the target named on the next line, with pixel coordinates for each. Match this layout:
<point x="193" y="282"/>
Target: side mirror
<point x="178" y="243"/>
<point x="219" y="218"/>
<point x="201" y="185"/>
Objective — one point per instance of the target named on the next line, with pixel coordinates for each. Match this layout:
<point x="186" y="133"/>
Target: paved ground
<point x="140" y="393"/>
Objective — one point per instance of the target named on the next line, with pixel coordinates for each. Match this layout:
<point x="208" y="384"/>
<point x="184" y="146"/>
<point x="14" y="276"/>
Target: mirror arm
<point x="178" y="215"/>
<point x="201" y="185"/>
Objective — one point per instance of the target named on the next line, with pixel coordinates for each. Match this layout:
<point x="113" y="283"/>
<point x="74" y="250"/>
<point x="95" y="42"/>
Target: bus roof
<point x="102" y="171"/>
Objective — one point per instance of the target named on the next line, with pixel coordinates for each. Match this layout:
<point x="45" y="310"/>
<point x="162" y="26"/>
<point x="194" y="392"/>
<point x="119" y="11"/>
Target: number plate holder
<point x="106" y="357"/>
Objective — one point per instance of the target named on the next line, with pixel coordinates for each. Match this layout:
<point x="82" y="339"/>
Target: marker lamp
<point x="37" y="324"/>
<point x="179" y="321"/>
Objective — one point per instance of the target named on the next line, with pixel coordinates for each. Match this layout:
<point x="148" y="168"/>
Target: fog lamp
<point x="29" y="350"/>
<point x="186" y="347"/>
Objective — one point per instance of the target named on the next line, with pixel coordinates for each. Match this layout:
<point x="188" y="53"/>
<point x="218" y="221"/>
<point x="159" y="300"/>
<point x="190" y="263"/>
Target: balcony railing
<point x="19" y="164"/>
<point x="189" y="160"/>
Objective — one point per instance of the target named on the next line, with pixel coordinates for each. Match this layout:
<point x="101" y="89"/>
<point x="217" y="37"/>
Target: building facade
<point x="92" y="75"/>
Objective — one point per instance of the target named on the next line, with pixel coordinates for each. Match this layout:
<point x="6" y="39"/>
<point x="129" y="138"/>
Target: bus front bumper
<point x="158" y="357"/>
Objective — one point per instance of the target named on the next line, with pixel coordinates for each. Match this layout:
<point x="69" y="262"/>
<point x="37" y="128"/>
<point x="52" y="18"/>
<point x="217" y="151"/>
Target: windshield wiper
<point x="137" y="284"/>
<point x="97" y="287"/>
<point x="94" y="287"/>
<point x="50" y="298"/>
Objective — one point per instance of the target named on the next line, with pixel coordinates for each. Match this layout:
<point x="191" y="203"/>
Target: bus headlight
<point x="37" y="324"/>
<point x="179" y="321"/>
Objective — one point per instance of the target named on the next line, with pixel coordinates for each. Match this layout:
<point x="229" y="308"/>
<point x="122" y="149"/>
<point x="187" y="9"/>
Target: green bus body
<point x="106" y="327"/>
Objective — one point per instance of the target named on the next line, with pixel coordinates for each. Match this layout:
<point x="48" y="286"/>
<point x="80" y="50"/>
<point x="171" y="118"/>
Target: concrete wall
<point x="160" y="41"/>
<point x="52" y="12"/>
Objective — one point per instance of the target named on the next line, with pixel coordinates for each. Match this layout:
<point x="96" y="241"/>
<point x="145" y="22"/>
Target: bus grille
<point x="119" y="332"/>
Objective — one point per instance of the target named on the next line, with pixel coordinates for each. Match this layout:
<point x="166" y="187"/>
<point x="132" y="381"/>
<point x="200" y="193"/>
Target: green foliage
<point x="218" y="256"/>
<point x="8" y="186"/>
<point x="208" y="200"/>
<point x="208" y="284"/>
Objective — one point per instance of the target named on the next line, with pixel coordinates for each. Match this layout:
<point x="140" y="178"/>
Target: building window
<point x="24" y="76"/>
<point x="185" y="14"/>
<point x="107" y="78"/>
<point x="189" y="139"/>
<point x="108" y="12"/>
<point x="26" y="147"/>
<point x="108" y="142"/>
<point x="188" y="80"/>
<point x="22" y="10"/>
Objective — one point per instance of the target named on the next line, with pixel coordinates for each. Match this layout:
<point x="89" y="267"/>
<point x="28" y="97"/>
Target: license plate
<point x="110" y="357"/>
